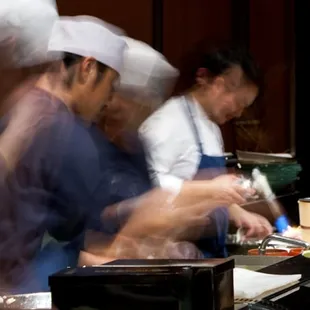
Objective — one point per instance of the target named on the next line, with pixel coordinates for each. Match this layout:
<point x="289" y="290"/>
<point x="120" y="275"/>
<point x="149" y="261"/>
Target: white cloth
<point x="89" y="37"/>
<point x="171" y="148"/>
<point x="146" y="73"/>
<point x="30" y="23"/>
<point x="249" y="284"/>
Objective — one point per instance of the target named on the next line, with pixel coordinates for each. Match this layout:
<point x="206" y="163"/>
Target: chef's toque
<point x="88" y="37"/>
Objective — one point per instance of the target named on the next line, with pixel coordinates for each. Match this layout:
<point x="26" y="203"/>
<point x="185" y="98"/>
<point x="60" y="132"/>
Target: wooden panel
<point x="134" y="16"/>
<point x="266" y="126"/>
<point x="190" y="27"/>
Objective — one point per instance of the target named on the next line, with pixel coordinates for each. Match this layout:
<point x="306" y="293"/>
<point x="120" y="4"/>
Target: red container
<point x="269" y="252"/>
<point x="296" y="251"/>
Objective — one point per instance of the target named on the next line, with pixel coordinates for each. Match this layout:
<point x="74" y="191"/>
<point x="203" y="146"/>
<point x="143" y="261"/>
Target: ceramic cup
<point x="304" y="218"/>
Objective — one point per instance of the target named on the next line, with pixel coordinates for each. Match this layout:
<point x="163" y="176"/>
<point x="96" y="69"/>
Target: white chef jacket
<point x="171" y="147"/>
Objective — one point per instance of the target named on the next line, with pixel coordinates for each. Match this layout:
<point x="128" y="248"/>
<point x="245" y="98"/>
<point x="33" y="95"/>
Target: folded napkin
<point x="250" y="285"/>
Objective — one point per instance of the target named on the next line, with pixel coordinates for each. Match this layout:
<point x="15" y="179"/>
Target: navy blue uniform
<point x="61" y="185"/>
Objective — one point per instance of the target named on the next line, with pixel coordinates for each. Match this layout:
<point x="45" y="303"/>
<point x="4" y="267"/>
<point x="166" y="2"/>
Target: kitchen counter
<point x="294" y="265"/>
<point x="296" y="297"/>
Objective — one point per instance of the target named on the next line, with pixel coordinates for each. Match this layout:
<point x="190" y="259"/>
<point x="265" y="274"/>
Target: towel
<point x="251" y="285"/>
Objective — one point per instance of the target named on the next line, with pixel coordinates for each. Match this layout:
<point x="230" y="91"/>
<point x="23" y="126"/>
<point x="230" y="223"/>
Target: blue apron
<point x="213" y="246"/>
<point x="51" y="259"/>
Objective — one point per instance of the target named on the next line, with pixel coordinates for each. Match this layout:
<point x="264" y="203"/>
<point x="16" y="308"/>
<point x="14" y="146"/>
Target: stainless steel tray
<point x="26" y="301"/>
<point x="234" y="239"/>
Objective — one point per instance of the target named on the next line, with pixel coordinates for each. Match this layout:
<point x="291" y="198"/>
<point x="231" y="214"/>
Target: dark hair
<point x="70" y="59"/>
<point x="217" y="56"/>
<point x="218" y="61"/>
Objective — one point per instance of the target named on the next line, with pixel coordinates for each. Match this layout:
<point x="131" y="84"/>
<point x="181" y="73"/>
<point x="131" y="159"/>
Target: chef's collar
<point x="198" y="108"/>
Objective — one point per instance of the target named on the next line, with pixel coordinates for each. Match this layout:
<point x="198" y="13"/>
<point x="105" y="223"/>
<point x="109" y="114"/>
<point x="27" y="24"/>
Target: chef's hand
<point x="160" y="215"/>
<point x="226" y="190"/>
<point x="89" y="259"/>
<point x="254" y="225"/>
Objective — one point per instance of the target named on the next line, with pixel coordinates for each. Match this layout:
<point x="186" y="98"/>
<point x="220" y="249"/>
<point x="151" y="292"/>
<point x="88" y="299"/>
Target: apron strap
<point x="189" y="113"/>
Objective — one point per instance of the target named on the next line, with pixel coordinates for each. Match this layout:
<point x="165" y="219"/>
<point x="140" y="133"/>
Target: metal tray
<point x="234" y="239"/>
<point x="27" y="301"/>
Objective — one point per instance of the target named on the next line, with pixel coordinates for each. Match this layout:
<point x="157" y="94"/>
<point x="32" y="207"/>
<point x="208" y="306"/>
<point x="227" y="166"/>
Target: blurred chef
<point x="146" y="81"/>
<point x="25" y="27"/>
<point x="54" y="182"/>
<point x="183" y="138"/>
<point x="141" y="90"/>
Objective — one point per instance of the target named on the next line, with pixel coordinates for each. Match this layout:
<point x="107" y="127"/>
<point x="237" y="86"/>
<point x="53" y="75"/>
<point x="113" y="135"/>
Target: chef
<point x="146" y="81"/>
<point x="141" y="90"/>
<point x="183" y="138"/>
<point x="55" y="181"/>
<point x="25" y="27"/>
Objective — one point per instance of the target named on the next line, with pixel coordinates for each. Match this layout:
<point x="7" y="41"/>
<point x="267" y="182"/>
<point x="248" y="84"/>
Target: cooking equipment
<point x="236" y="245"/>
<point x="40" y="301"/>
<point x="147" y="284"/>
<point x="261" y="184"/>
<point x="256" y="263"/>
<point x="296" y="251"/>
<point x="269" y="252"/>
<point x="295" y="242"/>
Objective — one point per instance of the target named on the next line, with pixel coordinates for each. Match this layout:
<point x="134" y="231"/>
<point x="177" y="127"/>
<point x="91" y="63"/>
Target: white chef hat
<point x="116" y="30"/>
<point x="88" y="36"/>
<point x="29" y="23"/>
<point x="146" y="73"/>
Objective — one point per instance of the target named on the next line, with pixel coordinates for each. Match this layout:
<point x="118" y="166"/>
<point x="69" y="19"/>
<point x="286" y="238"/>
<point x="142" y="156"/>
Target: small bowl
<point x="269" y="252"/>
<point x="295" y="251"/>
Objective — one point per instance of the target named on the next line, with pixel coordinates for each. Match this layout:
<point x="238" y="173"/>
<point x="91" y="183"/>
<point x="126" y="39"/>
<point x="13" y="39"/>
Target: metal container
<point x="42" y="301"/>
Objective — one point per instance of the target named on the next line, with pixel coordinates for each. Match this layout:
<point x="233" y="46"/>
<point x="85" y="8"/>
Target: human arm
<point x="89" y="259"/>
<point x="253" y="224"/>
<point x="167" y="145"/>
<point x="222" y="190"/>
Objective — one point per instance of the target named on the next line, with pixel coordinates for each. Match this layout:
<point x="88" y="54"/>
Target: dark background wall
<point x="180" y="28"/>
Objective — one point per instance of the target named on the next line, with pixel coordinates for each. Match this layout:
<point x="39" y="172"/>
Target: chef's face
<point x="93" y="87"/>
<point x="125" y="113"/>
<point x="121" y="120"/>
<point x="228" y="95"/>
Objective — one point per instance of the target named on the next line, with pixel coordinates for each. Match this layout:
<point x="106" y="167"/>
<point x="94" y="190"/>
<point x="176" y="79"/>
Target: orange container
<point x="269" y="252"/>
<point x="295" y="251"/>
